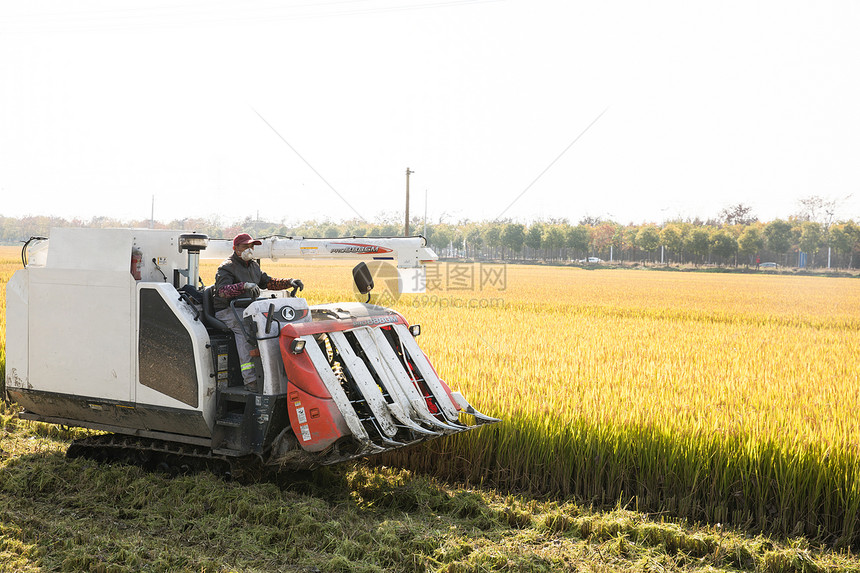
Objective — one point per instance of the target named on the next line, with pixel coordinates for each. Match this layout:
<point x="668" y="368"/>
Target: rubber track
<point x="169" y="457"/>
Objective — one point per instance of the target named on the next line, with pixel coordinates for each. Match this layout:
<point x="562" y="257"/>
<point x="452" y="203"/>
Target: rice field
<point x="718" y="398"/>
<point x="723" y="398"/>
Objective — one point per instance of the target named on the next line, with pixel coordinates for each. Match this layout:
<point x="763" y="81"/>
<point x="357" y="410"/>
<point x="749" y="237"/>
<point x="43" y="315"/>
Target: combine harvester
<point x="108" y="329"/>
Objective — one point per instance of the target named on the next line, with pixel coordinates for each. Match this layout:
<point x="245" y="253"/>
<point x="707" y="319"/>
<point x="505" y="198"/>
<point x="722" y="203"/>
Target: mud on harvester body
<point x="90" y="344"/>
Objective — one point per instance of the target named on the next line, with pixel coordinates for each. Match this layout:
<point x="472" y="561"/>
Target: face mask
<point x="247" y="254"/>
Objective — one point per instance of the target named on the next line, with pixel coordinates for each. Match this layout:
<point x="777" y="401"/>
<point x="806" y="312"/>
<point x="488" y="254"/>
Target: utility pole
<point x="406" y="231"/>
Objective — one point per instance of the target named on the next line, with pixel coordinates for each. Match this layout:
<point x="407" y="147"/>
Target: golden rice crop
<point x="722" y="397"/>
<point x="731" y="398"/>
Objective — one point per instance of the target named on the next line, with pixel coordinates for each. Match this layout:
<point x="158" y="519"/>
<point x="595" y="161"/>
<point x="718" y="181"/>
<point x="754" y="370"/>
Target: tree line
<point x="789" y="242"/>
<point x="812" y="238"/>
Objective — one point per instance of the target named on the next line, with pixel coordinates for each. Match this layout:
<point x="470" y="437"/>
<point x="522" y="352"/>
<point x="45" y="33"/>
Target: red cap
<point x="244" y="239"/>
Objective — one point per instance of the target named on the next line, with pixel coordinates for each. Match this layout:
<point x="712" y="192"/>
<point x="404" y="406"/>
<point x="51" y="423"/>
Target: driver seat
<point x="208" y="311"/>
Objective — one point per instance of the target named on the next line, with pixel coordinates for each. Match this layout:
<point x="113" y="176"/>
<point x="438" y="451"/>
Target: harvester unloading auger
<point x="140" y="354"/>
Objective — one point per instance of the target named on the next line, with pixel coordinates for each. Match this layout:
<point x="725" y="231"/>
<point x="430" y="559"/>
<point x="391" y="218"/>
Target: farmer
<point x="241" y="276"/>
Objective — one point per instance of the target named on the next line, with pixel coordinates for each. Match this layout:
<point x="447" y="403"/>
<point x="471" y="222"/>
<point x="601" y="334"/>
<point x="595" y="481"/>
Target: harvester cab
<point x="141" y="355"/>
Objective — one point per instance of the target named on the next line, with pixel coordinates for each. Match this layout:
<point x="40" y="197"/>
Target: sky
<point x="293" y="110"/>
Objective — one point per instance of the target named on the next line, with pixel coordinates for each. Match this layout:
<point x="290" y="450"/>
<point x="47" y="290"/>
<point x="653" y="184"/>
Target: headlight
<point x="297" y="346"/>
<point x="415" y="329"/>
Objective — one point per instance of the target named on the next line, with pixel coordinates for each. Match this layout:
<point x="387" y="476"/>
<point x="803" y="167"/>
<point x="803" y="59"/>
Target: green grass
<point x="78" y="515"/>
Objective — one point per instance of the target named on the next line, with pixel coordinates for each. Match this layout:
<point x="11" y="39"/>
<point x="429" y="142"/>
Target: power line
<point x="529" y="186"/>
<point x="309" y="165"/>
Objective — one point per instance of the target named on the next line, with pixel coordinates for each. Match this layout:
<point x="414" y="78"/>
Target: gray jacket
<point x="236" y="271"/>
